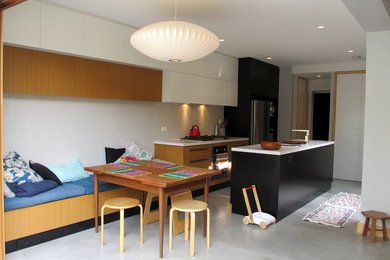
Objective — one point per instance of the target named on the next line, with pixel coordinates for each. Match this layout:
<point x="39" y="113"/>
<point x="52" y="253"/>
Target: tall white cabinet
<point x="349" y="91"/>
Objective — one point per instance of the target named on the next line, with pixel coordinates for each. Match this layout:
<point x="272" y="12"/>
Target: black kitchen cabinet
<point x="284" y="183"/>
<point x="257" y="80"/>
<point x="261" y="78"/>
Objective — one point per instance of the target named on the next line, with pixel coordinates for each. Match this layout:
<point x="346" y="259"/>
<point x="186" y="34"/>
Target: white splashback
<point x="55" y="130"/>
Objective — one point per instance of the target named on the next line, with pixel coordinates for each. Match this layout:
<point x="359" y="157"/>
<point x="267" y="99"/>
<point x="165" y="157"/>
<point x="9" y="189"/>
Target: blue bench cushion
<point x="67" y="190"/>
<point x="87" y="183"/>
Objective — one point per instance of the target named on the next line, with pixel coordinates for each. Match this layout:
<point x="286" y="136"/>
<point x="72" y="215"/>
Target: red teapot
<point x="195" y="130"/>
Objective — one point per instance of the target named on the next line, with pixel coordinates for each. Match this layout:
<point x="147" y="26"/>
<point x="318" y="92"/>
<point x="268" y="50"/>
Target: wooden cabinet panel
<point x="52" y="74"/>
<point x="135" y="83"/>
<point x="169" y="153"/>
<point x="198" y="156"/>
<point x="91" y="79"/>
<point x="36" y="72"/>
<point x="17" y="70"/>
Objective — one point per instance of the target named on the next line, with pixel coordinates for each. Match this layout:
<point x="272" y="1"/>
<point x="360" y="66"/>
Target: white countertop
<point x="284" y="149"/>
<point x="184" y="142"/>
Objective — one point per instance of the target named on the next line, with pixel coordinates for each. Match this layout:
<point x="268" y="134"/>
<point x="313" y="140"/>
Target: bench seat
<point x="67" y="190"/>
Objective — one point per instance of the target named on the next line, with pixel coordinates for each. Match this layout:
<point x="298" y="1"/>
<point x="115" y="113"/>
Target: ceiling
<point x="285" y="30"/>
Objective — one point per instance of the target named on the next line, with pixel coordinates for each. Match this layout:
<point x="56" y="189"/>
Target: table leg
<point x="96" y="200"/>
<point x="161" y="208"/>
<point x="206" y="199"/>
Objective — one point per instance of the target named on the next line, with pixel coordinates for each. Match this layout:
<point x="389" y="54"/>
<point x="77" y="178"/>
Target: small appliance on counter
<point x="194" y="131"/>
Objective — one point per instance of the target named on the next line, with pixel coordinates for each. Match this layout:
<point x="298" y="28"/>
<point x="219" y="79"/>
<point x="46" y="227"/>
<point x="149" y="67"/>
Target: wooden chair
<point x="374" y="216"/>
<point x="122" y="203"/>
<point x="189" y="207"/>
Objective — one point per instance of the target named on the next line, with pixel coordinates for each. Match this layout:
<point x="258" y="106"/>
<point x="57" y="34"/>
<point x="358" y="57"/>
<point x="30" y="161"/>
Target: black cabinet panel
<point x="262" y="79"/>
<point x="257" y="80"/>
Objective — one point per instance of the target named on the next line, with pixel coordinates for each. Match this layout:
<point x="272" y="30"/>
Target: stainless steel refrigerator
<point x="262" y="121"/>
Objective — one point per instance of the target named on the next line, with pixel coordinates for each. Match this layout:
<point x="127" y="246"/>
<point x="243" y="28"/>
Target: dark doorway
<point x="321" y="105"/>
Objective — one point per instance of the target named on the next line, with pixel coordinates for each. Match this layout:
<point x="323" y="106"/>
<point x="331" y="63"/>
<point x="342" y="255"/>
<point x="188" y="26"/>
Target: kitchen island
<point x="286" y="179"/>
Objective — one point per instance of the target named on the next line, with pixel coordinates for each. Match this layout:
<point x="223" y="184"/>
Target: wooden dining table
<point x="150" y="176"/>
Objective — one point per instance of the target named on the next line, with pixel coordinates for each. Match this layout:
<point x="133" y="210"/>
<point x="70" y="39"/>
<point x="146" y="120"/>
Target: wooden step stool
<point x="374" y="215"/>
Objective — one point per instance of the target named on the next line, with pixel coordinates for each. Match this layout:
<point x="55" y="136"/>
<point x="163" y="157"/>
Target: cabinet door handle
<point x="199" y="149"/>
<point x="199" y="160"/>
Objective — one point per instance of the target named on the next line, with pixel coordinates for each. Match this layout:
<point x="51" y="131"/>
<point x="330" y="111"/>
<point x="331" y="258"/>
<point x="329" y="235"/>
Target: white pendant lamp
<point x="174" y="41"/>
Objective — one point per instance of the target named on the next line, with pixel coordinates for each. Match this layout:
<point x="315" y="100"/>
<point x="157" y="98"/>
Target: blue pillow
<point x="30" y="189"/>
<point x="70" y="171"/>
<point x="17" y="171"/>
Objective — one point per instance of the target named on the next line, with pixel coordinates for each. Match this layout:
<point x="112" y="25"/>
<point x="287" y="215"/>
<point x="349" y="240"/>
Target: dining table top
<point x="153" y="173"/>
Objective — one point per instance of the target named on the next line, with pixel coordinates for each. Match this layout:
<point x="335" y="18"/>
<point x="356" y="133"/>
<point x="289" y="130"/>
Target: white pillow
<point x="135" y="151"/>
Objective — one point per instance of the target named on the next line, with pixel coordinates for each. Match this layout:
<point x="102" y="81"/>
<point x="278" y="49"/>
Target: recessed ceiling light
<point x="221" y="40"/>
<point x="350" y="51"/>
<point x="318" y="76"/>
<point x="269" y="58"/>
<point x="320" y="27"/>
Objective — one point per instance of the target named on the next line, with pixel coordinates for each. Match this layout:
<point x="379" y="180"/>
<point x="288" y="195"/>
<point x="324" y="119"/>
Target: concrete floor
<point x="290" y="238"/>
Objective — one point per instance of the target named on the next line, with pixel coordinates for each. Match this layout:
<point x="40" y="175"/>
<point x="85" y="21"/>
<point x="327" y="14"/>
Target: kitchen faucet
<point x="303" y="130"/>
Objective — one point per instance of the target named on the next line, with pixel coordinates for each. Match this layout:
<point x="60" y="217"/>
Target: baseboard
<point x="359" y="229"/>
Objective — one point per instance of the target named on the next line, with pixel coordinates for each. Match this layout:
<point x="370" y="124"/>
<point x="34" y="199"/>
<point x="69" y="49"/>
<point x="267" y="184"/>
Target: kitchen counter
<point x="185" y="142"/>
<point x="286" y="179"/>
<point x="312" y="144"/>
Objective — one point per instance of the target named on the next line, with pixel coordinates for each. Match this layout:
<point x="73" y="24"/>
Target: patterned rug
<point x="335" y="212"/>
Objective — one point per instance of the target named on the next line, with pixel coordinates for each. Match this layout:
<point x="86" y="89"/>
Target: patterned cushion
<point x="17" y="171"/>
<point x="7" y="191"/>
<point x="135" y="151"/>
<point x="70" y="171"/>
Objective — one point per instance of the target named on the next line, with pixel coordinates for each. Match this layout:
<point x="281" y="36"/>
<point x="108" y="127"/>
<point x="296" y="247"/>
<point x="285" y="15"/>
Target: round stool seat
<point x="375" y="214"/>
<point x="121" y="203"/>
<point x="189" y="205"/>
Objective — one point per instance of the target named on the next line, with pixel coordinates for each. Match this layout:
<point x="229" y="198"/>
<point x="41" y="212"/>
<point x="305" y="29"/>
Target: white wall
<point x="55" y="130"/>
<point x="285" y="103"/>
<point x="376" y="168"/>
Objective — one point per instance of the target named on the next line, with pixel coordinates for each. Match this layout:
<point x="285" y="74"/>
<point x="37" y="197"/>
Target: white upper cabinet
<point x="124" y="51"/>
<point x="100" y="38"/>
<point x="61" y="29"/>
<point x="22" y="24"/>
<point x="187" y="88"/>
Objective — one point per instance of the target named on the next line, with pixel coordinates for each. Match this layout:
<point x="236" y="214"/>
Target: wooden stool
<point x="374" y="215"/>
<point x="189" y="207"/>
<point x="151" y="216"/>
<point x="122" y="203"/>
